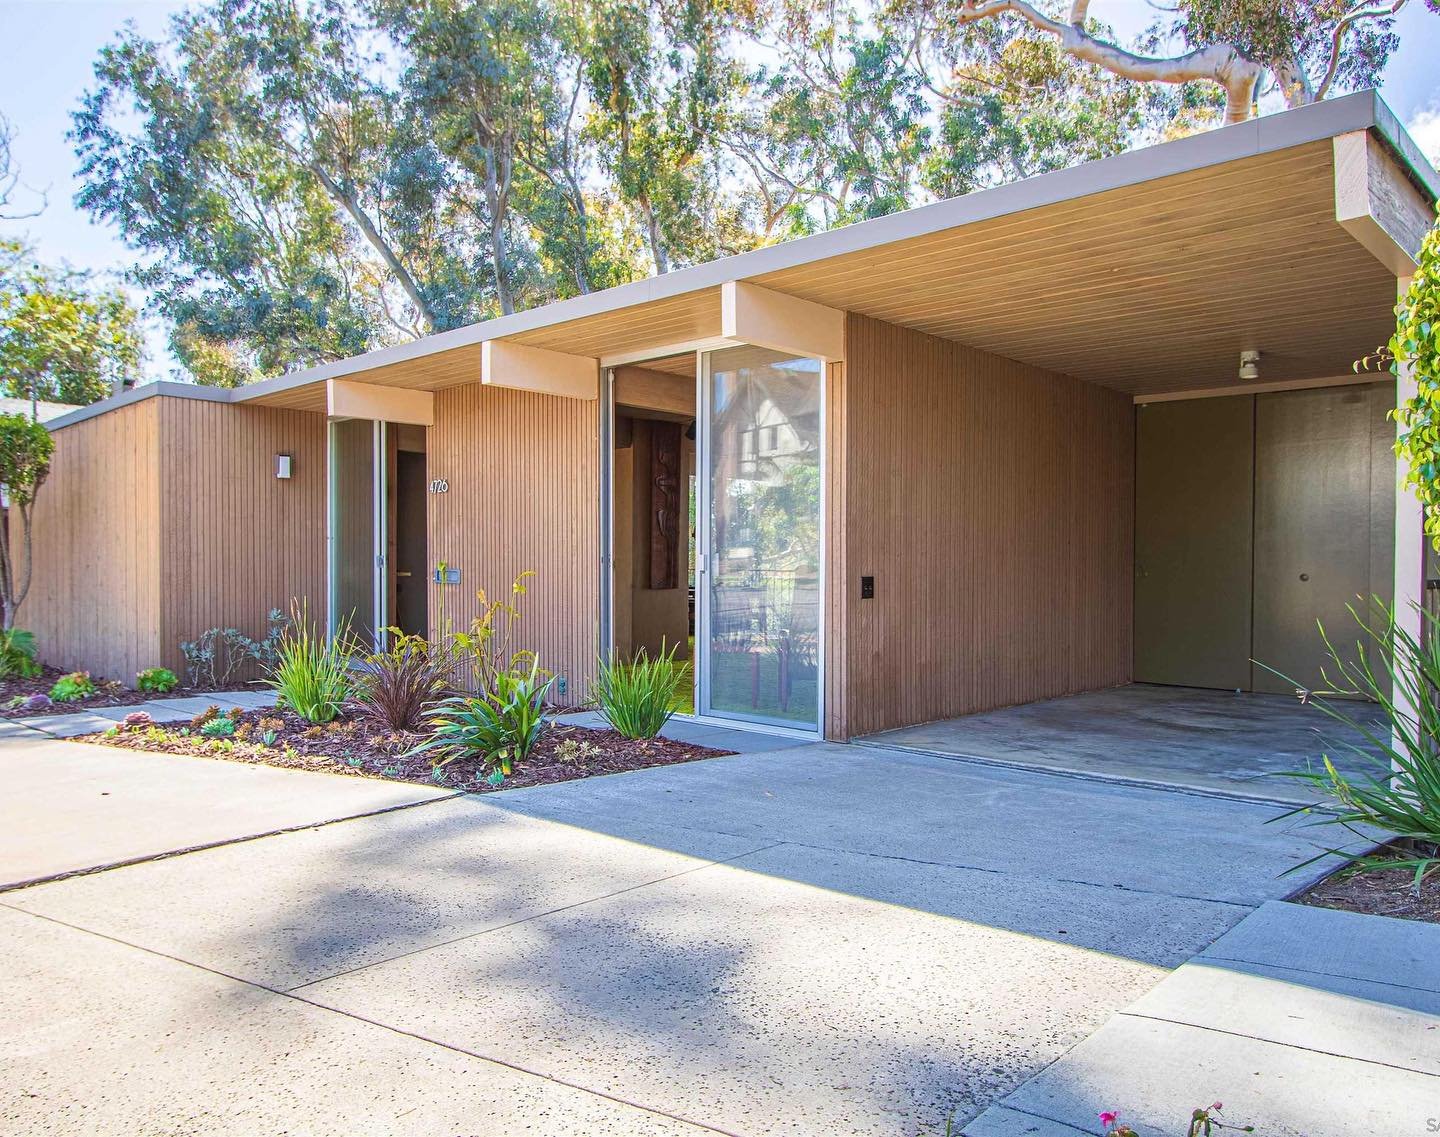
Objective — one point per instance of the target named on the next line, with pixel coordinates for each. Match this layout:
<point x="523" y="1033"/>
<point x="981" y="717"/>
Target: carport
<point x="1236" y="743"/>
<point x="1122" y="571"/>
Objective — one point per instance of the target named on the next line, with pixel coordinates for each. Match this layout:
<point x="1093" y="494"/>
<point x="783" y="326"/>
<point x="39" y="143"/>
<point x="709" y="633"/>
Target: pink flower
<point x="1109" y="1117"/>
<point x="1216" y="1105"/>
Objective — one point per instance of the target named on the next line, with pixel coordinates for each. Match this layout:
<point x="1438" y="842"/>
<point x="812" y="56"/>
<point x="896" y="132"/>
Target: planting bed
<point x="357" y="744"/>
<point x="1385" y="892"/>
<point x="108" y="693"/>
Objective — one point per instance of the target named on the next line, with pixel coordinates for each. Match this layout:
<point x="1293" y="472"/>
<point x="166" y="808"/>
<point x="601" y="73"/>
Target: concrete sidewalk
<point x="70" y="807"/>
<point x="1305" y="1022"/>
<point x="811" y="939"/>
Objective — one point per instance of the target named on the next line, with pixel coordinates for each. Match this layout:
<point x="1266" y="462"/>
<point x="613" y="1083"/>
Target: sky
<point x="47" y="48"/>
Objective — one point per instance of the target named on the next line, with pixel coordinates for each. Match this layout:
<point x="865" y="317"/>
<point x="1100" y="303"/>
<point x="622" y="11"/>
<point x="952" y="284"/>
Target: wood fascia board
<point x="539" y="369"/>
<point x="1377" y="203"/>
<point x="766" y="318"/>
<point x="345" y="398"/>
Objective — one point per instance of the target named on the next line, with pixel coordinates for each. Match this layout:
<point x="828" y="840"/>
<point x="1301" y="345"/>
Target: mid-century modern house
<point x="1096" y="427"/>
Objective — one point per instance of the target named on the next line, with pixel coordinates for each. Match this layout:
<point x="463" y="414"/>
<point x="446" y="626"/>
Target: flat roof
<point x="682" y="294"/>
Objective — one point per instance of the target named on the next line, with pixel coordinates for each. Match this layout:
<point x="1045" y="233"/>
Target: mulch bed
<point x="109" y="693"/>
<point x="358" y="745"/>
<point x="1383" y="892"/>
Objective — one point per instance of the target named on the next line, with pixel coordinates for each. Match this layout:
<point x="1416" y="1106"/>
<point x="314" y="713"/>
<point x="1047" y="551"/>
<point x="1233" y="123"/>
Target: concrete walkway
<point x="811" y="939"/>
<point x="1304" y="1022"/>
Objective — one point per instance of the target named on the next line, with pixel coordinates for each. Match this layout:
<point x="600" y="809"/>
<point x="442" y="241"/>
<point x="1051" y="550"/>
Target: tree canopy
<point x="62" y="339"/>
<point x="307" y="179"/>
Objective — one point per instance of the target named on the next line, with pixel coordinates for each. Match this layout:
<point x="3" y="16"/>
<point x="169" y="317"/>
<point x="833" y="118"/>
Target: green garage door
<point x="1256" y="517"/>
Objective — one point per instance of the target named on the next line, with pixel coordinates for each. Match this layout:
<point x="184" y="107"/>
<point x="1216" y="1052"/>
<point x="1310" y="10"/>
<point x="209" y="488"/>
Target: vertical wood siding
<point x="523" y="472"/>
<point x="95" y="598"/>
<point x="235" y="540"/>
<point x="993" y="503"/>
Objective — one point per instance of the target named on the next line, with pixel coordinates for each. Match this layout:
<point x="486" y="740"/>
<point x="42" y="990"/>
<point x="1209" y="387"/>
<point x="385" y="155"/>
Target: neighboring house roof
<point x="1000" y="270"/>
<point x="43" y="411"/>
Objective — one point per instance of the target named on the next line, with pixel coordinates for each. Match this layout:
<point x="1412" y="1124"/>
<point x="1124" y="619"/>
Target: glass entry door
<point x="357" y="529"/>
<point x="758" y="642"/>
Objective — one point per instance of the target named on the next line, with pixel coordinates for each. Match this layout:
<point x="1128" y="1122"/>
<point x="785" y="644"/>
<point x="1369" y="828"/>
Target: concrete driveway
<point x="820" y="939"/>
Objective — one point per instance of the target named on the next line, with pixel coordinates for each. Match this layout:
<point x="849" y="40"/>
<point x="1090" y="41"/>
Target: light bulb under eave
<point x="1249" y="365"/>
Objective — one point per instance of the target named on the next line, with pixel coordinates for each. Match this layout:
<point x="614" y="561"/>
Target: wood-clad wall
<point x="993" y="504"/>
<point x="236" y="540"/>
<point x="95" y="598"/>
<point x="523" y="476"/>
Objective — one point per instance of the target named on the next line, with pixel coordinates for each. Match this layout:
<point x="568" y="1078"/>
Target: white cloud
<point x="1425" y="129"/>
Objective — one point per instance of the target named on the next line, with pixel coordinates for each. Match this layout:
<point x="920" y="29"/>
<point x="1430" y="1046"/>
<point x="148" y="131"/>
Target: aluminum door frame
<point x="379" y="487"/>
<point x="704" y="506"/>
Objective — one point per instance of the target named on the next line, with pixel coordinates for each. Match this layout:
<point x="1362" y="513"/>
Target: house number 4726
<point x="439" y="485"/>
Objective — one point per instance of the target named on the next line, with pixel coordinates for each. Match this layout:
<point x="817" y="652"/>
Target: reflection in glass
<point x="352" y="472"/>
<point x="764" y="578"/>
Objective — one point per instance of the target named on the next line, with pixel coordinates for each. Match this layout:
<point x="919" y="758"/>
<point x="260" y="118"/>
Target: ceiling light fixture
<point x="1249" y="365"/>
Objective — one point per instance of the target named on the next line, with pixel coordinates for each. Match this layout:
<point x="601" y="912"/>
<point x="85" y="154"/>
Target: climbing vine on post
<point x="1416" y="346"/>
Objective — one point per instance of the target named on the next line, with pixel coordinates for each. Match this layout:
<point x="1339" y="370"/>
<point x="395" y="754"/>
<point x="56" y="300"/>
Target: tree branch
<point x="1218" y="63"/>
<point x="1337" y="40"/>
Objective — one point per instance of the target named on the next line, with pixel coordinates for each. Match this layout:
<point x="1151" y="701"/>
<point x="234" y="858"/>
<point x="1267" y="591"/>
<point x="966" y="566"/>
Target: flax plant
<point x="635" y="697"/>
<point x="312" y="674"/>
<point x="1396" y="788"/>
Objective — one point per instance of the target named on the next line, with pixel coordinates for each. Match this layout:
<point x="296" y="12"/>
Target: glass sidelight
<point x="758" y="646"/>
<point x="358" y="592"/>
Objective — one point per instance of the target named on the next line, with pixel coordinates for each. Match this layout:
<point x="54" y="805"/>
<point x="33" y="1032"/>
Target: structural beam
<point x="1377" y="203"/>
<point x="345" y="398"/>
<point x="766" y="318"/>
<point x="525" y="368"/>
<point x="644" y="389"/>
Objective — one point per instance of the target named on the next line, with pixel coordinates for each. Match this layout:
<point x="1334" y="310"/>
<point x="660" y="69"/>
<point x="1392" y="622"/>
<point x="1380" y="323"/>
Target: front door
<point x="759" y="580"/>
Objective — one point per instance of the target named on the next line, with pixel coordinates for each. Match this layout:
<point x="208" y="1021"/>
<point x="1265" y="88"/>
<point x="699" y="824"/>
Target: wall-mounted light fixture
<point x="283" y="465"/>
<point x="1249" y="365"/>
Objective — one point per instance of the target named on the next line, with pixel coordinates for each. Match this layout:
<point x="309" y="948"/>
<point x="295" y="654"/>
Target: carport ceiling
<point x="1148" y="288"/>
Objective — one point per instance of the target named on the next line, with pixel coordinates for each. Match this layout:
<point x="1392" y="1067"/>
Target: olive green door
<point x="1324" y="525"/>
<point x="1194" y="484"/>
<point x="1259" y="518"/>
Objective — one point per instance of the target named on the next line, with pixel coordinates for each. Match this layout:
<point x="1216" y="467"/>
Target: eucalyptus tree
<point x="837" y="124"/>
<point x="240" y="242"/>
<point x="664" y="83"/>
<point x="481" y="77"/>
<point x="1010" y="104"/>
<point x="1302" y="49"/>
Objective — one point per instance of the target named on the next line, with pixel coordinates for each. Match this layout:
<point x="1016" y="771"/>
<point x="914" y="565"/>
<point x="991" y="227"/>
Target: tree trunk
<point x="499" y="255"/>
<point x="381" y="246"/>
<point x="657" y="240"/>
<point x="1218" y="63"/>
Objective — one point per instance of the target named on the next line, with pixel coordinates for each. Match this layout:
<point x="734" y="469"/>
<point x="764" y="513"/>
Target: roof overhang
<point x="1147" y="272"/>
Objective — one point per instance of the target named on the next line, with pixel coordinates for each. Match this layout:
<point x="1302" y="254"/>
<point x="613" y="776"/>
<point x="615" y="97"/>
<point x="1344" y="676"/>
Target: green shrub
<point x="1398" y="791"/>
<point x="312" y="672"/>
<point x="72" y="687"/>
<point x="159" y="679"/>
<point x="501" y="726"/>
<point x="635" y="698"/>
<point x="17" y="654"/>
